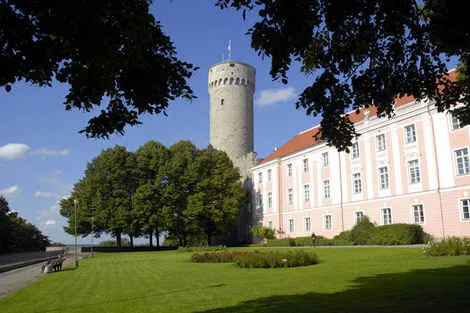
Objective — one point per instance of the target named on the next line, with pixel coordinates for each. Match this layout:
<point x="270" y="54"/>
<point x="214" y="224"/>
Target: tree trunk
<point x="118" y="239"/>
<point x="132" y="241"/>
<point x="151" y="238"/>
<point x="209" y="238"/>
<point x="157" y="235"/>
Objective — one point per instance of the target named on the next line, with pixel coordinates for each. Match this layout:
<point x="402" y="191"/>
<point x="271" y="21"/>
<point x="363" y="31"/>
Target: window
<point x="327" y="221"/>
<point x="461" y="157"/>
<point x="307" y="193"/>
<point x="270" y="172"/>
<point x="307" y="223"/>
<point x="260" y="177"/>
<point x="324" y="158"/>
<point x="387" y="216"/>
<point x="355" y="150"/>
<point x="270" y="224"/>
<point x="465" y="207"/>
<point x="358" y="216"/>
<point x="270" y="199"/>
<point x="383" y="178"/>
<point x="456" y="123"/>
<point x="291" y="225"/>
<point x="357" y="183"/>
<point x="305" y="165"/>
<point x="380" y="142"/>
<point x="326" y="189"/>
<point x="410" y="133"/>
<point x="290" y="196"/>
<point x="259" y="202"/>
<point x="413" y="171"/>
<point x="418" y="213"/>
<point x="289" y="169"/>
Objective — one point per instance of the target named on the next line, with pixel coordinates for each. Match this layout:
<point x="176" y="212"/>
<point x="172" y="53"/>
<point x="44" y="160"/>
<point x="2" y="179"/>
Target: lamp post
<point x="75" y="202"/>
<point x="92" y="218"/>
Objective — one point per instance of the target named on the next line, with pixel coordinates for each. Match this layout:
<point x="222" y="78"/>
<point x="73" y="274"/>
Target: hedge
<point x="398" y="234"/>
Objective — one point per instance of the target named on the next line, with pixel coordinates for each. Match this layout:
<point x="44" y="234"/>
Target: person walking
<point x="314" y="240"/>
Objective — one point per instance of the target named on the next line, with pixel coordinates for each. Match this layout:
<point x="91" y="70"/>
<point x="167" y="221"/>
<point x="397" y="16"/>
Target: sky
<point x="42" y="154"/>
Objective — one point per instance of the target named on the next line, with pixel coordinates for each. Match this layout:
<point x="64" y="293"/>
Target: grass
<point x="345" y="280"/>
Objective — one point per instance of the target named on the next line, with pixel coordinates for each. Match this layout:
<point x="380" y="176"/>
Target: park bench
<point x="52" y="265"/>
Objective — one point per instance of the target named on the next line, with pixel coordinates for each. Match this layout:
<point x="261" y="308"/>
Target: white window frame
<point x="327" y="221"/>
<point x="413" y="136"/>
<point x="326" y="189"/>
<point x="385" y="183"/>
<point x="456" y="160"/>
<point x="289" y="169"/>
<point x="270" y="224"/>
<point x="415" y="206"/>
<point x="260" y="177"/>
<point x="305" y="163"/>
<point x="461" y="209"/>
<point x="455" y="123"/>
<point x="386" y="218"/>
<point x="259" y="201"/>
<point x="291" y="225"/>
<point x="358" y="216"/>
<point x="307" y="223"/>
<point x="381" y="145"/>
<point x="325" y="159"/>
<point x="269" y="174"/>
<point x="410" y="176"/>
<point x="355" y="151"/>
<point x="307" y="193"/>
<point x="270" y="199"/>
<point x="357" y="183"/>
<point x="290" y="196"/>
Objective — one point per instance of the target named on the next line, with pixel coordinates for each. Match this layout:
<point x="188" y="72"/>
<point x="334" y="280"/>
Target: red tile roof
<point x="306" y="139"/>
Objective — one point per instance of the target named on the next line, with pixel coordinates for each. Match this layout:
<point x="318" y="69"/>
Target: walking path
<point x="18" y="278"/>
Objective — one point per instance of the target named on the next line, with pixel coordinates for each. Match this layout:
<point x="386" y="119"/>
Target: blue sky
<point x="42" y="154"/>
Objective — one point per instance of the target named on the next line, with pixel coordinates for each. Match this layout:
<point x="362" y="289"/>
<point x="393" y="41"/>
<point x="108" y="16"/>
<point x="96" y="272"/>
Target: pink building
<point x="413" y="168"/>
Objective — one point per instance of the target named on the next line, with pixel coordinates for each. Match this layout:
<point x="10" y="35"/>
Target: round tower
<point x="231" y="89"/>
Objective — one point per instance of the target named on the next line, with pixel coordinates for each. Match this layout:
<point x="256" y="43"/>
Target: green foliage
<point x="102" y="50"/>
<point x="274" y="259"/>
<point x="16" y="234"/>
<point x="285" y="242"/>
<point x="202" y="248"/>
<point x="361" y="53"/>
<point x="344" y="236"/>
<point x="321" y="241"/>
<point x="363" y="232"/>
<point x="214" y="256"/>
<point x="263" y="232"/>
<point x="450" y="246"/>
<point x="398" y="234"/>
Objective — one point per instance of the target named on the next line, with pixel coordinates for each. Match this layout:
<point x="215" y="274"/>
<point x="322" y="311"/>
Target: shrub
<point x="263" y="232"/>
<point x="344" y="236"/>
<point x="363" y="232"/>
<point x="201" y="248"/>
<point x="398" y="234"/>
<point x="449" y="246"/>
<point x="286" y="242"/>
<point x="274" y="259"/>
<point x="303" y="241"/>
<point x="213" y="257"/>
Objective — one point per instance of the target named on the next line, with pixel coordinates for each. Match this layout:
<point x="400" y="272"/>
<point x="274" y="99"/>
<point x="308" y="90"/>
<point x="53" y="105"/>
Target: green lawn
<point x="346" y="280"/>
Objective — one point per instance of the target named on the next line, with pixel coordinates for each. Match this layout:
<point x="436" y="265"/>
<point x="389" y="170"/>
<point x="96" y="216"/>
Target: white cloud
<point x="49" y="224"/>
<point x="52" y="177"/>
<point x="46" y="194"/>
<point x="272" y="96"/>
<point x="10" y="191"/>
<point x="13" y="151"/>
<point x="44" y="153"/>
<point x="53" y="210"/>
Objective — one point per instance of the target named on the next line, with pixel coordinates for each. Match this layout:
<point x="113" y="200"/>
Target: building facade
<point x="413" y="168"/>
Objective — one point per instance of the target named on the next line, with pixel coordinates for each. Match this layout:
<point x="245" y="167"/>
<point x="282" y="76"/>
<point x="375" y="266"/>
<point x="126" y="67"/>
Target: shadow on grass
<point x="432" y="290"/>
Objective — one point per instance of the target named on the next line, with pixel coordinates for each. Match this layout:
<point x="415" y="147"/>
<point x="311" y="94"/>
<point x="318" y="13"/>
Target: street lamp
<point x="75" y="202"/>
<point x="92" y="218"/>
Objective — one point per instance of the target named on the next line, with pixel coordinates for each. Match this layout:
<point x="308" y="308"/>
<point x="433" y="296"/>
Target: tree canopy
<point x="364" y="52"/>
<point x="110" y="52"/>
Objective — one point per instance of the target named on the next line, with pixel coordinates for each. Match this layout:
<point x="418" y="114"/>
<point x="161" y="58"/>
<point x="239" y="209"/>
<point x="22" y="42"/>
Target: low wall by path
<point x="11" y="258"/>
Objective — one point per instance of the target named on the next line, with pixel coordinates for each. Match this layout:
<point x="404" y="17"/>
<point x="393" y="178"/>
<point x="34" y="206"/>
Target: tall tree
<point x="152" y="159"/>
<point x="364" y="52"/>
<point x="104" y="50"/>
<point x="218" y="195"/>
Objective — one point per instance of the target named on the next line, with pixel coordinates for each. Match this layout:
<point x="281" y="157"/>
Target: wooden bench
<point x="52" y="265"/>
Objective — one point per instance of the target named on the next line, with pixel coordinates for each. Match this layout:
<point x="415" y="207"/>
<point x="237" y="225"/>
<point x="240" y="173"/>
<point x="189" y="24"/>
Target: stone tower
<point x="231" y="89"/>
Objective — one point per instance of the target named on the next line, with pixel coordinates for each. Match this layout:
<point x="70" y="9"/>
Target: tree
<point x="111" y="51"/>
<point x="364" y="52"/>
<point x="152" y="159"/>
<point x="263" y="232"/>
<point x="218" y="195"/>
